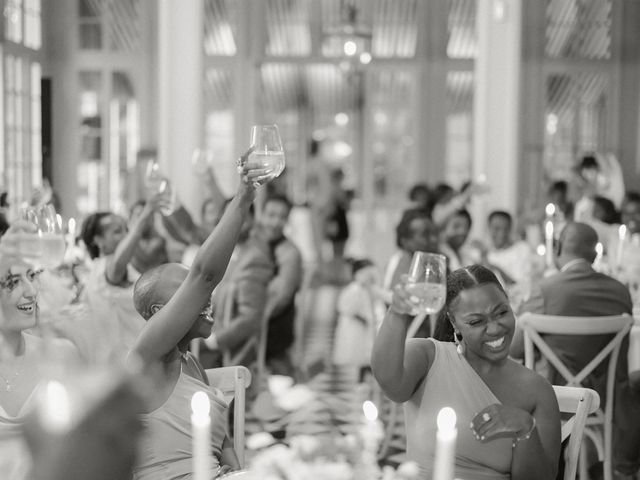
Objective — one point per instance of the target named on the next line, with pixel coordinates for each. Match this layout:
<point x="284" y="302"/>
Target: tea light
<point x="550" y="210"/>
<point x="201" y="436"/>
<point x="599" y="254"/>
<point x="372" y="431"/>
<point x="445" y="444"/>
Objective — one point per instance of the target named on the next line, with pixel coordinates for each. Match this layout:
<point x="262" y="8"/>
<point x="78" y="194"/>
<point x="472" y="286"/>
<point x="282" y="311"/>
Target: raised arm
<point x="397" y="369"/>
<point x="116" y="268"/>
<point x="172" y="322"/>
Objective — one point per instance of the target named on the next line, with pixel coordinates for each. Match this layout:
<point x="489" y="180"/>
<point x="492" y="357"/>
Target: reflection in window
<point x="91" y="168"/>
<point x="13" y="20"/>
<point x="459" y="146"/>
<point x="33" y="24"/>
<point x="575" y="119"/>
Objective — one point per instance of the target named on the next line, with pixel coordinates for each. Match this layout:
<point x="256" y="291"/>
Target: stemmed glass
<point x="52" y="237"/>
<point x="267" y="151"/>
<point x="156" y="183"/>
<point x="426" y="282"/>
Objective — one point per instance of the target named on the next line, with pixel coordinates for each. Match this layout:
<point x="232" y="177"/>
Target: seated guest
<point x="241" y="299"/>
<point x="625" y="265"/>
<point x="175" y="301"/>
<point x="507" y="416"/>
<point x="108" y="289"/>
<point x="283" y="286"/>
<point x="21" y="353"/>
<point x="415" y="233"/>
<point x="578" y="290"/>
<point x="513" y="258"/>
<point x="454" y="236"/>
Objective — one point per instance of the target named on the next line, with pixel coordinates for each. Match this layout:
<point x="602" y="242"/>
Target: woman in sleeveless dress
<point x="21" y="354"/>
<point x="508" y="418"/>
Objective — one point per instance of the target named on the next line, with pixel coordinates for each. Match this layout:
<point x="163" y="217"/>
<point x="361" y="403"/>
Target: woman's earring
<point x="458" y="342"/>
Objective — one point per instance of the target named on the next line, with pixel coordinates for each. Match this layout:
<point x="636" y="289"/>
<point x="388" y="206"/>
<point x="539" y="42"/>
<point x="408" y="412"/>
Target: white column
<point x="497" y="104"/>
<point x="180" y="89"/>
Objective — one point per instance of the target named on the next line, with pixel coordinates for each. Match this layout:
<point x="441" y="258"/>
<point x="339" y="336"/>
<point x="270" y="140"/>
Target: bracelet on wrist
<point x="527" y="434"/>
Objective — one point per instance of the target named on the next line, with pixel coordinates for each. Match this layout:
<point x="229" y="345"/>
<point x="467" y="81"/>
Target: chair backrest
<point x="581" y="402"/>
<point x="233" y="381"/>
<point x="536" y="325"/>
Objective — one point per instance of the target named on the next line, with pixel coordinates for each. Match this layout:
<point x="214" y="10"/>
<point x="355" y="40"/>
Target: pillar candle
<point x="622" y="235"/>
<point x="201" y="437"/>
<point x="445" y="445"/>
<point x="548" y="241"/>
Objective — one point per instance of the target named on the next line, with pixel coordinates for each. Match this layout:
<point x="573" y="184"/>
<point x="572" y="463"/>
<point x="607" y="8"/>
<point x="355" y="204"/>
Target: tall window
<point x="21" y="158"/>
<point x="108" y="110"/>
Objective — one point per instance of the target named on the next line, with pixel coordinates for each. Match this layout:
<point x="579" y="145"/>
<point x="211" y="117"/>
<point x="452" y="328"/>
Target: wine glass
<point x="426" y="282"/>
<point x="267" y="150"/>
<point x="51" y="237"/>
<point x="157" y="184"/>
<point x="29" y="238"/>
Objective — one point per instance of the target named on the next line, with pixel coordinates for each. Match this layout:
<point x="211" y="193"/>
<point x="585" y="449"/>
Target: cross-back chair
<point x="535" y="326"/>
<point x="233" y="381"/>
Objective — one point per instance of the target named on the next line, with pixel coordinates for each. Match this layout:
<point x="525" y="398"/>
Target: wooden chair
<point x="582" y="402"/>
<point x="233" y="381"/>
<point x="536" y="325"/>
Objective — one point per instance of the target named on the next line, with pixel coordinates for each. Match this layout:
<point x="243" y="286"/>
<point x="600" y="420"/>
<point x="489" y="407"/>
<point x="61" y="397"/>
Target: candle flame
<point x="550" y="209"/>
<point x="370" y="411"/>
<point x="200" y="405"/>
<point x="622" y="232"/>
<point x="56" y="414"/>
<point x="71" y="226"/>
<point x="599" y="249"/>
<point x="446" y="419"/>
<point x="541" y="250"/>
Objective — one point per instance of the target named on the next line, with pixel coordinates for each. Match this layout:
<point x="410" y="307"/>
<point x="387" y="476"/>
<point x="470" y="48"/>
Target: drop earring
<point x="457" y="338"/>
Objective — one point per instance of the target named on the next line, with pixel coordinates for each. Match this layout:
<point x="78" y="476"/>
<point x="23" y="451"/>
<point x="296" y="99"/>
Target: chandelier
<point x="349" y="39"/>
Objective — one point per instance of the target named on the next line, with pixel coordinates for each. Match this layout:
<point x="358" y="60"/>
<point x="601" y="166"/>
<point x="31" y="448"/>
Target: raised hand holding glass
<point x="426" y="282"/>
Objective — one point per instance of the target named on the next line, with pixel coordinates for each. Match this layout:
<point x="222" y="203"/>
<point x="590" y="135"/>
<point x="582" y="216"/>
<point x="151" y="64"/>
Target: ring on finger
<point x="486" y="417"/>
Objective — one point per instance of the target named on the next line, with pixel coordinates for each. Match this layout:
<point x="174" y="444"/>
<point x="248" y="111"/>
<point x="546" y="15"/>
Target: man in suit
<point x="578" y="290"/>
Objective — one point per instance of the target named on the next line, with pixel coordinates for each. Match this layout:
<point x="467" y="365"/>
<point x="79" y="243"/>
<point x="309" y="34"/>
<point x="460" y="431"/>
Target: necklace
<point x="9" y="382"/>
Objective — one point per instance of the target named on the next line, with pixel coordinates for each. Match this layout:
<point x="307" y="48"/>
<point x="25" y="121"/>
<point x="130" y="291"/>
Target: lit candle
<point x="55" y="413"/>
<point x="550" y="210"/>
<point x="599" y="254"/>
<point x="622" y="236"/>
<point x="548" y="240"/>
<point x="201" y="436"/>
<point x="445" y="444"/>
<point x="372" y="431"/>
<point x="71" y="232"/>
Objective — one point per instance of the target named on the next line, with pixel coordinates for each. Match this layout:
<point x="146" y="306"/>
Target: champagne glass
<point x="267" y="150"/>
<point x="52" y="237"/>
<point x="426" y="282"/>
<point x="157" y="184"/>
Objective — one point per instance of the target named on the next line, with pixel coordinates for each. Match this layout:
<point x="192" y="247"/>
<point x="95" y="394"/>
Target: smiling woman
<point x="512" y="415"/>
<point x="20" y="354"/>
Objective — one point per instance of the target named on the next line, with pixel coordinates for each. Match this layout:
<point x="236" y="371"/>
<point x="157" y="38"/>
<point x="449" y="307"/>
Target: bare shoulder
<point x="530" y="383"/>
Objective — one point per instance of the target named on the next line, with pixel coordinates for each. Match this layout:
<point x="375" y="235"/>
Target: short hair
<point x="458" y="281"/>
<point x="609" y="209"/>
<point x="91" y="228"/>
<point x="631" y="197"/>
<point x="500" y="213"/>
<point x="441" y="190"/>
<point x="589" y="161"/>
<point x="579" y="239"/>
<point x="417" y="189"/>
<point x="278" y="197"/>
<point x="463" y="212"/>
<point x="403" y="229"/>
<point x="559" y="186"/>
<point x="146" y="293"/>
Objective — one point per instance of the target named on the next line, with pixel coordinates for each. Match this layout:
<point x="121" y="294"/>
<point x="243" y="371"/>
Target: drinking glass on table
<point x="267" y="151"/>
<point x="426" y="282"/>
